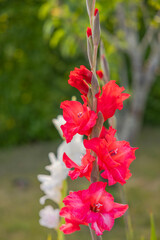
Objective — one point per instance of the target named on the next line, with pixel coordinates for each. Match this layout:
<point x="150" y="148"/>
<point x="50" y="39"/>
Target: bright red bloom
<point x="93" y="205"/>
<point x="79" y="119"/>
<point x="77" y="81"/>
<point x="114" y="157"/>
<point x="84" y="73"/>
<point x="72" y="223"/>
<point x="89" y="32"/>
<point x="100" y="74"/>
<point x="80" y="78"/>
<point x="111" y="99"/>
<point x="95" y="11"/>
<point x="80" y="171"/>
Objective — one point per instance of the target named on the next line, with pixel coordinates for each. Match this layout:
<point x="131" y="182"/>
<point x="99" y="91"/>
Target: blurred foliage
<point x="33" y="77"/>
<point x="41" y="41"/>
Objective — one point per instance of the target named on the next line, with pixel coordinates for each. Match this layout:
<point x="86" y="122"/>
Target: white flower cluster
<point x="51" y="184"/>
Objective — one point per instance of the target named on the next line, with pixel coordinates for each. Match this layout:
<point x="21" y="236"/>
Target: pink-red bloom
<point x="84" y="73"/>
<point x="81" y="77"/>
<point x="71" y="222"/>
<point x="77" y="81"/>
<point x="114" y="157"/>
<point x="84" y="170"/>
<point x="79" y="119"/>
<point x="111" y="99"/>
<point x="92" y="206"/>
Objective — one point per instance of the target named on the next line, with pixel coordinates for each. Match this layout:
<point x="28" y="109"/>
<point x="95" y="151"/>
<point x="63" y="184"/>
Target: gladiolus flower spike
<point x="104" y="154"/>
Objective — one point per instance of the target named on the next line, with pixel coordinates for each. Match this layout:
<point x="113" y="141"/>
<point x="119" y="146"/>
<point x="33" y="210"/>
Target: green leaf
<point x="57" y="36"/>
<point x="153" y="230"/>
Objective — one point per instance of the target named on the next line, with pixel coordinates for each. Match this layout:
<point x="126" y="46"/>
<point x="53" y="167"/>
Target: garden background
<point x="40" y="43"/>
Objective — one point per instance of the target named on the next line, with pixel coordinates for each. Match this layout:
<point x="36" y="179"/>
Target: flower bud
<point x="105" y="68"/>
<point x="89" y="4"/>
<point x="100" y="74"/>
<point x="90" y="46"/>
<point x="96" y="28"/>
<point x="89" y="32"/>
<point x="104" y="64"/>
<point x="95" y="85"/>
<point x="90" y="98"/>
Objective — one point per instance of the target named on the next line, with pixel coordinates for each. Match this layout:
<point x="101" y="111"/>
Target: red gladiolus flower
<point x="111" y="99"/>
<point x="114" y="157"/>
<point x="72" y="223"/>
<point x="78" y="82"/>
<point x="93" y="205"/>
<point x="100" y="74"/>
<point x="84" y="73"/>
<point x="79" y="119"/>
<point x="80" y="78"/>
<point x="89" y="32"/>
<point x="80" y="171"/>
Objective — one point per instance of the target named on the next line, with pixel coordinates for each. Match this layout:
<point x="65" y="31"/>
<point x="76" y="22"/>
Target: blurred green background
<point x="40" y="43"/>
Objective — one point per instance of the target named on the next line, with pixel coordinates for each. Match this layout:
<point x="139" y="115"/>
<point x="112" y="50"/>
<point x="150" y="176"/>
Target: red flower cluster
<point x="94" y="206"/>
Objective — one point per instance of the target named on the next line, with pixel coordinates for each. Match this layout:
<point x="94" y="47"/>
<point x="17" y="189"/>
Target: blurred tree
<point x="132" y="27"/>
<point x="137" y="36"/>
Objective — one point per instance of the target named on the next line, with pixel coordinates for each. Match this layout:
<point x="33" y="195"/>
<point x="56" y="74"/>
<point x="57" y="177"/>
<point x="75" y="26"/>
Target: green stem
<point x="93" y="235"/>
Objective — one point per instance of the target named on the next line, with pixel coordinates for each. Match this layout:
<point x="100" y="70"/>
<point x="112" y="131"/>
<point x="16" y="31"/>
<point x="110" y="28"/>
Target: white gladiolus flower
<point x="51" y="185"/>
<point x="58" y="122"/>
<point x="53" y="194"/>
<point x="74" y="149"/>
<point x="49" y="217"/>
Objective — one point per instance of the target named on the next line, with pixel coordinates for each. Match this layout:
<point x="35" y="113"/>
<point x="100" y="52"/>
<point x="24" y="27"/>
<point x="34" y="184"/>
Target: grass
<point x="20" y="193"/>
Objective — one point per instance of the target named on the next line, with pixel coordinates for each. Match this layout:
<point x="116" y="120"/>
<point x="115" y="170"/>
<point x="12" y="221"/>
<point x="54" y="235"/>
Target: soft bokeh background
<point x="40" y="43"/>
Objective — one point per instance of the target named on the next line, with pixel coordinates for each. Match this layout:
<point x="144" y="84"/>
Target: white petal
<point x="58" y="122"/>
<point x="75" y="149"/>
<point x="49" y="217"/>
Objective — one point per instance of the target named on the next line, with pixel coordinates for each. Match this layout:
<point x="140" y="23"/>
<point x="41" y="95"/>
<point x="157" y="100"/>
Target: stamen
<point x="113" y="152"/>
<point x="80" y="114"/>
<point x="96" y="207"/>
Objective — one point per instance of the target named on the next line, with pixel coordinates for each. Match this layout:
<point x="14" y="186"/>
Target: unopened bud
<point x="96" y="28"/>
<point x="90" y="98"/>
<point x="105" y="68"/>
<point x="104" y="64"/>
<point x="94" y="85"/>
<point x="89" y="7"/>
<point x="89" y="32"/>
<point x="100" y="74"/>
<point x="90" y="46"/>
